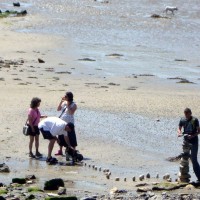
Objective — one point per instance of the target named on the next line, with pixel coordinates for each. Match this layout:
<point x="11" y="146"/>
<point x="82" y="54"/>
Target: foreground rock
<point x="54" y="184"/>
<point x="17" y="4"/>
<point x="4" y="168"/>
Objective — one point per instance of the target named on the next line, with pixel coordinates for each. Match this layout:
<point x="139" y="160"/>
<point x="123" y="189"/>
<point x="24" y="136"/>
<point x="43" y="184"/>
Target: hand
<point x="179" y="134"/>
<point x="63" y="99"/>
<point x="190" y="137"/>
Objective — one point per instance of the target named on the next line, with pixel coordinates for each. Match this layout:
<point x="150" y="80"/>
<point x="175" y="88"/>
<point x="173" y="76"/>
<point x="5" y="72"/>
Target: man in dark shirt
<point x="191" y="128"/>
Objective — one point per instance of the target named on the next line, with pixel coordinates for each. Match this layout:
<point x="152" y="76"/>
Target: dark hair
<point x="34" y="102"/>
<point x="71" y="126"/>
<point x="188" y="110"/>
<point x="70" y="96"/>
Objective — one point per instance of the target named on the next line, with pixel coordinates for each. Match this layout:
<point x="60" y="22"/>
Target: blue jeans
<point x="194" y="153"/>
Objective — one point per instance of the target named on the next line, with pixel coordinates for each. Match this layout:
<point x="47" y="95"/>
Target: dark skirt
<point x="72" y="139"/>
<point x="31" y="133"/>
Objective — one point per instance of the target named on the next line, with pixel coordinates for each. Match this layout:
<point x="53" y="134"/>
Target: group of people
<point x="60" y="129"/>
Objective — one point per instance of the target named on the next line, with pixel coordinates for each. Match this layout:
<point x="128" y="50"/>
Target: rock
<point x="117" y="179"/>
<point x="53" y="184"/>
<point x="99" y="168"/>
<point x="141" y="177"/>
<point x="87" y="59"/>
<point x="30" y="177"/>
<point x="141" y="184"/>
<point x="17" y="4"/>
<point x="157" y="175"/>
<point x="189" y="187"/>
<point x="148" y="175"/>
<point x="4" y="168"/>
<point x="22" y="13"/>
<point x="61" y="190"/>
<point x="166" y="176"/>
<point x="2" y="198"/>
<point x="115" y="55"/>
<point x="19" y="180"/>
<point x="40" y="60"/>
<point x="125" y="179"/>
<point x="61" y="198"/>
<point x="114" y="190"/>
<point x="169" y="179"/>
<point x="31" y="196"/>
<point x="158" y="16"/>
<point x="143" y="189"/>
<point x="95" y="167"/>
<point x="88" y="198"/>
<point x="134" y="178"/>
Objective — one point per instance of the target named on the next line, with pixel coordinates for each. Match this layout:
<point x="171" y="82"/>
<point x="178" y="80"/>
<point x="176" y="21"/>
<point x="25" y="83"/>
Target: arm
<point x="179" y="132"/>
<point x="30" y="119"/>
<point x="67" y="141"/>
<point x="60" y="104"/>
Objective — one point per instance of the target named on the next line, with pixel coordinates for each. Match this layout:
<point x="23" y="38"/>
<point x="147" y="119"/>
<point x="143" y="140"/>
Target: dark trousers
<point x="194" y="153"/>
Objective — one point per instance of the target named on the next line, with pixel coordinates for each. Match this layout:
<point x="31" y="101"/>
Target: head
<point x="35" y="102"/>
<point x="69" y="97"/>
<point x="69" y="127"/>
<point x="188" y="113"/>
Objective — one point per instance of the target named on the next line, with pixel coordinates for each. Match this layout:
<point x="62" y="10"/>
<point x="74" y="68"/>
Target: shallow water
<point x="124" y="26"/>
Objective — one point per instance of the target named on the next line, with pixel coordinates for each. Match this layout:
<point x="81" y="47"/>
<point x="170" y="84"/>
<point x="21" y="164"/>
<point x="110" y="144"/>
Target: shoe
<point x="38" y="155"/>
<point x="59" y="153"/>
<point x="51" y="160"/>
<point x="31" y="155"/>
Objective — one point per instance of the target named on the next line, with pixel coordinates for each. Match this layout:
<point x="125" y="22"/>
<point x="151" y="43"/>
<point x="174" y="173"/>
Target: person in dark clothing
<point x="190" y="126"/>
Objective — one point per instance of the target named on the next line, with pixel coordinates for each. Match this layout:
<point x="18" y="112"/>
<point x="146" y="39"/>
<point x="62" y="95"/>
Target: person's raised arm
<point x="60" y="104"/>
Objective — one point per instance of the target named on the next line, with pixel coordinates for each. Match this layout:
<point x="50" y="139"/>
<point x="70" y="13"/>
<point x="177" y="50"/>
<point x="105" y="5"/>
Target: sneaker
<point x="31" y="155"/>
<point x="38" y="155"/>
<point x="59" y="153"/>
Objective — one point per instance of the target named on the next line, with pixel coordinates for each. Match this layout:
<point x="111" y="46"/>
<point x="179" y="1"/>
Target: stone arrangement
<point x="184" y="175"/>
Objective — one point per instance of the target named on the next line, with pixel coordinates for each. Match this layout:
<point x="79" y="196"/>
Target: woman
<point x="33" y="121"/>
<point x="68" y="108"/>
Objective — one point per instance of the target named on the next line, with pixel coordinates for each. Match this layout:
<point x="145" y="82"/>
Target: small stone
<point x="61" y="190"/>
<point x="169" y="179"/>
<point x="30" y="177"/>
<point x="157" y="175"/>
<point x="189" y="187"/>
<point x="117" y="179"/>
<point x="17" y="4"/>
<point x="89" y="165"/>
<point x="40" y="60"/>
<point x="125" y="179"/>
<point x="143" y="189"/>
<point x="148" y="175"/>
<point x="113" y="191"/>
<point x="95" y="167"/>
<point x="100" y="169"/>
<point x="134" y="178"/>
<point x="85" y="164"/>
<point x="141" y="177"/>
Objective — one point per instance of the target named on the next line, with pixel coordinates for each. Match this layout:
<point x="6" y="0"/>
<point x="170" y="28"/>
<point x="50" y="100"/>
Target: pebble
<point x="61" y="190"/>
<point x="89" y="165"/>
<point x="157" y="175"/>
<point x="95" y="167"/>
<point x="125" y="179"/>
<point x="99" y="168"/>
<point x="117" y="179"/>
<point x="141" y="177"/>
<point x="134" y="178"/>
<point x="148" y="175"/>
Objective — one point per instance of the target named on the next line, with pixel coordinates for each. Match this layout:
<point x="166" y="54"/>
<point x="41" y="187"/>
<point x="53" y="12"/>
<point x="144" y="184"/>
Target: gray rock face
<point x="4" y="168"/>
<point x="61" y="190"/>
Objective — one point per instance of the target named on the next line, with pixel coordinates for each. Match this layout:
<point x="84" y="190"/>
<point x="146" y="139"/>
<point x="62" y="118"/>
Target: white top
<point x="54" y="125"/>
<point x="66" y="116"/>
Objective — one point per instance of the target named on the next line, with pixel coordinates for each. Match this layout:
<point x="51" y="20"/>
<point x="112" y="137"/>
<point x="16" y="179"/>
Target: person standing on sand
<point x="33" y="130"/>
<point x="67" y="108"/>
<point x="52" y="127"/>
<point x="190" y="127"/>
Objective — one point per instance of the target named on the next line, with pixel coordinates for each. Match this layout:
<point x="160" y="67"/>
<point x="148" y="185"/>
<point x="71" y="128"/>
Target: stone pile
<point x="184" y="175"/>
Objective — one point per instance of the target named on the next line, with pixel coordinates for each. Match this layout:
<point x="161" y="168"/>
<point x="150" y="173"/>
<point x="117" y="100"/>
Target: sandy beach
<point x="125" y="121"/>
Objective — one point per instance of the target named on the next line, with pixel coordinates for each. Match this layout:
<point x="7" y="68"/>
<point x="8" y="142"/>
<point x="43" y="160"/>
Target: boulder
<point x="2" y="198"/>
<point x="17" y="4"/>
<point x="19" y="180"/>
<point x="148" y="175"/>
<point x="4" y="168"/>
<point x="23" y="12"/>
<point x="141" y="177"/>
<point x="54" y="184"/>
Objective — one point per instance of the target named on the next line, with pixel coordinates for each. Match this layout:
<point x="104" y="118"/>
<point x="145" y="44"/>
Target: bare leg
<point x="37" y="143"/>
<point x="31" y="143"/>
<point x="50" y="147"/>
